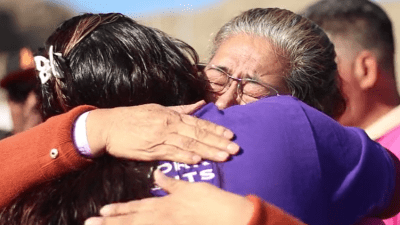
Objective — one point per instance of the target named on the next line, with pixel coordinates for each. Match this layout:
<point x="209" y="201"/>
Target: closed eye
<point x="217" y="76"/>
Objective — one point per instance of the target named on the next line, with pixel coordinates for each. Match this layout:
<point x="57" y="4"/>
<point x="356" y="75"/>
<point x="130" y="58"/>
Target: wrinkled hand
<point x="153" y="132"/>
<point x="187" y="204"/>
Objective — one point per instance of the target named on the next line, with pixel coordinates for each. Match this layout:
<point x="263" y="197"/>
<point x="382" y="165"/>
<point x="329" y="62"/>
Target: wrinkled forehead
<point x="248" y="52"/>
<point x="248" y="55"/>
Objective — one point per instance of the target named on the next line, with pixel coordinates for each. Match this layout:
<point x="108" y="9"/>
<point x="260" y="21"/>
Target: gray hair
<point x="311" y="73"/>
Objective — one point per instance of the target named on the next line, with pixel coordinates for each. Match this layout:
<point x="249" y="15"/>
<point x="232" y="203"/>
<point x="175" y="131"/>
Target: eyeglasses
<point x="249" y="89"/>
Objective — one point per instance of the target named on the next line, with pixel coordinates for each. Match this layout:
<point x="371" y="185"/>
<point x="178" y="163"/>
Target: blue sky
<point x="138" y="7"/>
<point x="132" y="7"/>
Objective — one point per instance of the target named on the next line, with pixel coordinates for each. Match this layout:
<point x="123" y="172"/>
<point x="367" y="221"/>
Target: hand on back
<point x="153" y="132"/>
<point x="187" y="204"/>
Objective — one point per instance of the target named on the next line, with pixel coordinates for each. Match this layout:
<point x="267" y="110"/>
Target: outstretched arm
<point x="153" y="132"/>
<point x="192" y="204"/>
<point x="41" y="153"/>
<point x="47" y="151"/>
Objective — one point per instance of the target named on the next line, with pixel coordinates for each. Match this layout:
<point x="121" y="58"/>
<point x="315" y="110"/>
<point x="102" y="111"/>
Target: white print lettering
<point x="191" y="173"/>
<point x="203" y="171"/>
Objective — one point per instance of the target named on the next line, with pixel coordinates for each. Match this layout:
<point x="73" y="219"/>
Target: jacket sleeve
<point x="43" y="152"/>
<point x="268" y="214"/>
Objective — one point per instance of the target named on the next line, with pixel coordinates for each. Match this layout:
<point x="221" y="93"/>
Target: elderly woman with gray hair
<point x="279" y="48"/>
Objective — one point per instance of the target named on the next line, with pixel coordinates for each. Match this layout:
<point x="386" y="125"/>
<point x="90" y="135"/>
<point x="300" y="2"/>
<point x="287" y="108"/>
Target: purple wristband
<point x="80" y="136"/>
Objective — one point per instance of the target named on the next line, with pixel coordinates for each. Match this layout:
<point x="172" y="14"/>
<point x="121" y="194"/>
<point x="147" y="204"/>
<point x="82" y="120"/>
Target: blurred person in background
<point x="363" y="37"/>
<point x="20" y="78"/>
<point x="24" y="27"/>
<point x="20" y="85"/>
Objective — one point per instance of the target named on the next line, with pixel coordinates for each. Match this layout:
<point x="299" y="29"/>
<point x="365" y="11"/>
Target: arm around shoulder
<point x="41" y="153"/>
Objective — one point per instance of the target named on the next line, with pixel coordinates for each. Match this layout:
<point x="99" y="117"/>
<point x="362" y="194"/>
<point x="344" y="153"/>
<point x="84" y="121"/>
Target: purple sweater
<point x="298" y="159"/>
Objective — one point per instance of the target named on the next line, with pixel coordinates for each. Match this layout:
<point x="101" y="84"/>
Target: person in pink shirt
<point x="386" y="131"/>
<point x="364" y="43"/>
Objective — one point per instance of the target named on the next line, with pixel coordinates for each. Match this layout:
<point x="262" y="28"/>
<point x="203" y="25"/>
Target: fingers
<point x="95" y="221"/>
<point x="188" y="109"/>
<point x="207" y="133"/>
<point x="120" y="208"/>
<point x="199" y="123"/>
<point x="208" y="126"/>
<point x="208" y="146"/>
<point x="117" y="220"/>
<point x="168" y="184"/>
<point x="136" y="212"/>
<point x="143" y="218"/>
<point x="153" y="132"/>
<point x="166" y="152"/>
<point x="173" y="151"/>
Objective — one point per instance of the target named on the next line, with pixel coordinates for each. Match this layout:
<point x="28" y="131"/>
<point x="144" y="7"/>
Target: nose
<point x="229" y="97"/>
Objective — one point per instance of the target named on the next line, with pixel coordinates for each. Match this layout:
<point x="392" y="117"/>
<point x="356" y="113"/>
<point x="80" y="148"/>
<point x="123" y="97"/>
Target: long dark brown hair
<point x="107" y="60"/>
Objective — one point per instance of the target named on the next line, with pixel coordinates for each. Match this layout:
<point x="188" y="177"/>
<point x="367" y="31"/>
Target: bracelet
<point x="80" y="136"/>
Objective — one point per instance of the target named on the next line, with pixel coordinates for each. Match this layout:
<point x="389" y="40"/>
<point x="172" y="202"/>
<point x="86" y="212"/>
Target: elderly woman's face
<point x="244" y="69"/>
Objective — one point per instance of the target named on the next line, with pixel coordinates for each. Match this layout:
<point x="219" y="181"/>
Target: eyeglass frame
<point x="240" y="85"/>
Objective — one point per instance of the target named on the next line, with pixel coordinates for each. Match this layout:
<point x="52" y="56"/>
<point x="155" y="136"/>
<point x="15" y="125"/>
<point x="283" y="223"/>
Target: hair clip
<point x="46" y="67"/>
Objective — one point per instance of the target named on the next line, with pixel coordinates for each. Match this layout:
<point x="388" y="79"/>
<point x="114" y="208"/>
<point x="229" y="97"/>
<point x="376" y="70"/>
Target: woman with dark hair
<point x="130" y="65"/>
<point x="105" y="60"/>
